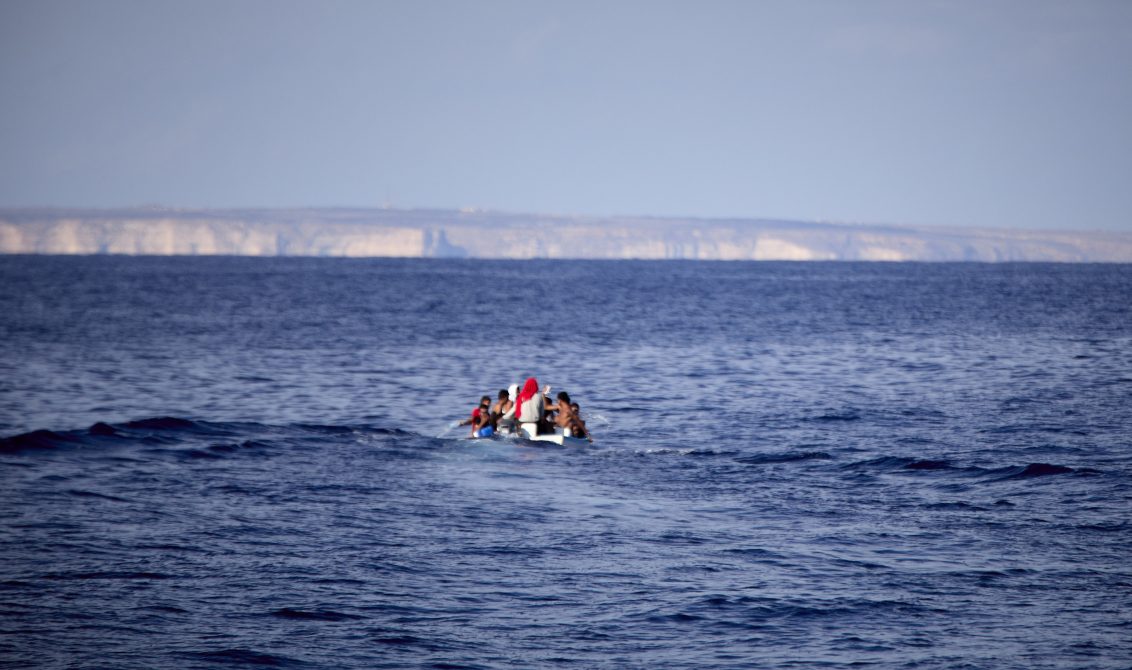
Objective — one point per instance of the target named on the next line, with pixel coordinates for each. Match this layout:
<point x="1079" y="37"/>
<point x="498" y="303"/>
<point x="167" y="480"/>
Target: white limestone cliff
<point x="480" y="234"/>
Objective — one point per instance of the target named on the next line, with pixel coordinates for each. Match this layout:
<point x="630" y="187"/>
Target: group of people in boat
<point x="527" y="405"/>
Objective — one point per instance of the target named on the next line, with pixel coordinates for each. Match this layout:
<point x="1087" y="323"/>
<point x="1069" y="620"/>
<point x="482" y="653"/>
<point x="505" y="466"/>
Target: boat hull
<point x="529" y="431"/>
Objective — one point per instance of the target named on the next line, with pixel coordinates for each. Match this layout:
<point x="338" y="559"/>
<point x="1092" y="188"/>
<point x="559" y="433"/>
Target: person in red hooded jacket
<point x="531" y="404"/>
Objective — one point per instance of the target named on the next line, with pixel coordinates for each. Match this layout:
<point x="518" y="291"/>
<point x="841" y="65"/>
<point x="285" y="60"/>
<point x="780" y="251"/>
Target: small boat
<point x="529" y="431"/>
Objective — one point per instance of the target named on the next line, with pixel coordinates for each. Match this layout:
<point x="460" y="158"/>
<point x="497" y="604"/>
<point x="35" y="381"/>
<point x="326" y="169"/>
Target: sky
<point x="992" y="114"/>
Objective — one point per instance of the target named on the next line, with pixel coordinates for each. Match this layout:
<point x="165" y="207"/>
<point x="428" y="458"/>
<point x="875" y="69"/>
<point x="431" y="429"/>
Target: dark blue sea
<point x="236" y="462"/>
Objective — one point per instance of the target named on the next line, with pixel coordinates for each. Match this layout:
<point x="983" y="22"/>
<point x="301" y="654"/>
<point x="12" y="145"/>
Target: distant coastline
<point x="425" y="233"/>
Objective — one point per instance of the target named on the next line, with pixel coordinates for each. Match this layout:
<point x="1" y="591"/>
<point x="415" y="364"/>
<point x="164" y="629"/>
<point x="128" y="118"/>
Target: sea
<point x="256" y="462"/>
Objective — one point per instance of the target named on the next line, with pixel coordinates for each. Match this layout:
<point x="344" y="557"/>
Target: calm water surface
<point x="217" y="462"/>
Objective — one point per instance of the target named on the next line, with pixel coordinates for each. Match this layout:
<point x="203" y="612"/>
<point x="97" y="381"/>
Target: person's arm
<point x="476" y="413"/>
<point x="585" y="431"/>
<point x="581" y="424"/>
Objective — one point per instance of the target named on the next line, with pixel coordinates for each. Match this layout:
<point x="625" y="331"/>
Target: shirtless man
<point x="566" y="418"/>
<point x="578" y="415"/>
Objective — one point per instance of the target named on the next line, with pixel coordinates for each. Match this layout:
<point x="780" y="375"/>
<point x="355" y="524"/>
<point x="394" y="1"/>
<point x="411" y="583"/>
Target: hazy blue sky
<point x="1011" y="113"/>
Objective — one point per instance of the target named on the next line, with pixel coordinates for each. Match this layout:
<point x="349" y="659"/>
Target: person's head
<point x="485" y="401"/>
<point x="563" y="397"/>
<point x="503" y="395"/>
<point x="530" y="387"/>
<point x="574" y="406"/>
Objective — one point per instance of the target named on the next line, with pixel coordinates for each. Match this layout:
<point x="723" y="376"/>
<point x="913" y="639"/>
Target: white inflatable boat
<point x="529" y="431"/>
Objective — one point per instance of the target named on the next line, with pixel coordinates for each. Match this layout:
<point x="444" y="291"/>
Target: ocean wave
<point x="685" y="451"/>
<point x="38" y="440"/>
<point x="1114" y="527"/>
<point x="894" y="463"/>
<point x="313" y="615"/>
<point x="166" y="431"/>
<point x="1030" y="471"/>
<point x="100" y="575"/>
<point x="785" y="457"/>
<point x="928" y="465"/>
<point x="245" y="657"/>
<point x="956" y="506"/>
<point x="947" y="468"/>
<point x="162" y="423"/>
<point x="78" y="493"/>
<point x="758" y="611"/>
<point x="843" y="415"/>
